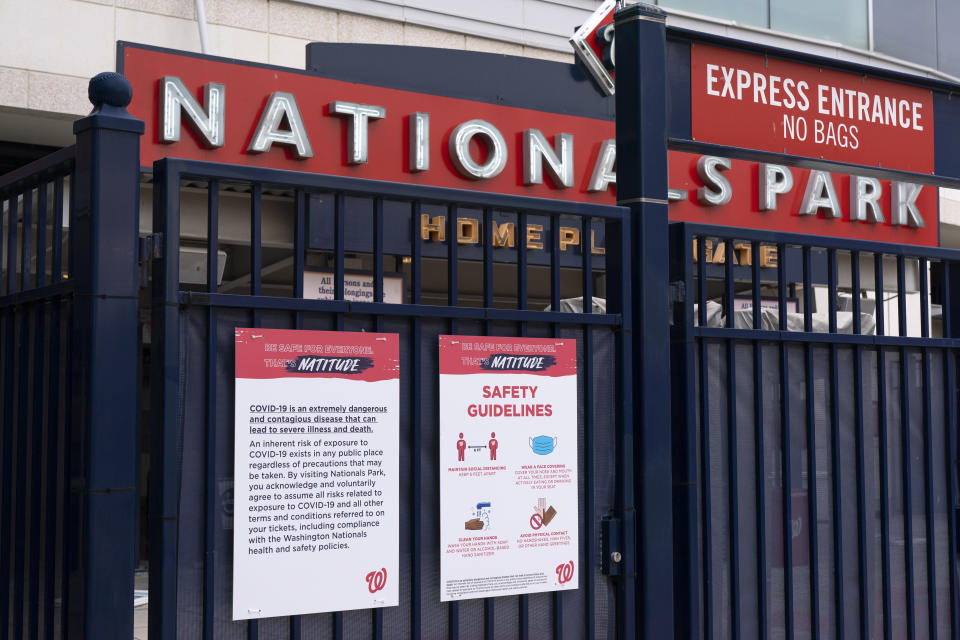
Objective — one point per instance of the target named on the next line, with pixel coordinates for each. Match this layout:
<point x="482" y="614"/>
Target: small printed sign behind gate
<point x="508" y="466"/>
<point x="316" y="518"/>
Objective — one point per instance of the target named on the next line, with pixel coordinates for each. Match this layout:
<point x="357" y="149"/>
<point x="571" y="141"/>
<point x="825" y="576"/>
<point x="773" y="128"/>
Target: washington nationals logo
<point x="565" y="572"/>
<point x="376" y="580"/>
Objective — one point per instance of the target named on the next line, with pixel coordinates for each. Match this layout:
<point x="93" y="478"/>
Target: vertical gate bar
<point x="555" y="306"/>
<point x="704" y="444"/>
<point x="686" y="559"/>
<point x="586" y="268"/>
<point x="416" y="436"/>
<point x="862" y="555"/>
<point x="20" y="496"/>
<point x="2" y="232"/>
<point x="12" y="225"/>
<point x="812" y="489"/>
<point x="54" y="437"/>
<point x="781" y="286"/>
<point x="378" y="327"/>
<point x="701" y="253"/>
<point x="855" y="290"/>
<point x="755" y="280"/>
<point x="705" y="483"/>
<point x="586" y="274"/>
<point x="6" y="489"/>
<point x="299" y="232"/>
<point x="165" y="361"/>
<point x="878" y="293"/>
<point x="339" y="286"/>
<point x="210" y="492"/>
<point x="68" y="517"/>
<point x="555" y="263"/>
<point x="378" y="250"/>
<point x="906" y="460"/>
<point x="521" y="260"/>
<point x="807" y="301"/>
<point x="835" y="447"/>
<point x="298" y="260"/>
<point x="785" y="435"/>
<point x="256" y="288"/>
<point x="811" y="425"/>
<point x="41" y="273"/>
<point x="619" y="277"/>
<point x="759" y="451"/>
<point x="882" y="425"/>
<point x="489" y="610"/>
<point x="950" y="413"/>
<point x="487" y="248"/>
<point x="521" y="235"/>
<point x="256" y="233"/>
<point x="832" y="290"/>
<point x="453" y="282"/>
<point x="37" y="461"/>
<point x="923" y="267"/>
<point x="732" y="482"/>
<point x="728" y="283"/>
<point x="26" y="248"/>
<point x="56" y="258"/>
<point x="928" y="491"/>
<point x="901" y="296"/>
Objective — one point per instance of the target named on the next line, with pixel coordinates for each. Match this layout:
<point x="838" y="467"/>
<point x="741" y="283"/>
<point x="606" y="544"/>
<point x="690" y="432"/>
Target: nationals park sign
<point x="218" y="110"/>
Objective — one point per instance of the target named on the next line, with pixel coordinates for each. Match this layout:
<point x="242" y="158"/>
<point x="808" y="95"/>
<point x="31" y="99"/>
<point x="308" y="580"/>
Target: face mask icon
<point x="542" y="445"/>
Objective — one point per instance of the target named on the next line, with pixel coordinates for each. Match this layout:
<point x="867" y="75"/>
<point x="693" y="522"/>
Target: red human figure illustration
<point x="461" y="447"/>
<point x="493" y="446"/>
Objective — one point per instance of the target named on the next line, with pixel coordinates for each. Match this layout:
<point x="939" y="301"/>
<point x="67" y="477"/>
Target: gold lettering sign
<point x="433" y="229"/>
<point x="504" y="234"/>
<point x="716" y="253"/>
<point x="468" y="231"/>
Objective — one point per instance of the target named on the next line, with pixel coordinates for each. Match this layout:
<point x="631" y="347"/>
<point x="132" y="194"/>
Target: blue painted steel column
<point x="642" y="185"/>
<point x="106" y="192"/>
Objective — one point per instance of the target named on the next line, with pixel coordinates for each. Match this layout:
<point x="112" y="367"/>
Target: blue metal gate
<point x="192" y="430"/>
<point x="815" y="454"/>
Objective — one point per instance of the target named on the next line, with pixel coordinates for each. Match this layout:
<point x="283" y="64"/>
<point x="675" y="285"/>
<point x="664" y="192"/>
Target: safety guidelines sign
<point x="316" y="517"/>
<point x="508" y="466"/>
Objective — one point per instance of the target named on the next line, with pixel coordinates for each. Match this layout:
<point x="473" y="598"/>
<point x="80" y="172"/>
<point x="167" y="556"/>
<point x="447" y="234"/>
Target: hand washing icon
<point x="543" y="445"/>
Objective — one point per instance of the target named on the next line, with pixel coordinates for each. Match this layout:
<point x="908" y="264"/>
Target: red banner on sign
<point x="284" y="353"/>
<point x="537" y="356"/>
<point x="756" y="102"/>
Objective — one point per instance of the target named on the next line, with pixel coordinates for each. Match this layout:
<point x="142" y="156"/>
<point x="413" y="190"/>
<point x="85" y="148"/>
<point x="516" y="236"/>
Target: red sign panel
<point x="743" y="208"/>
<point x="248" y="88"/>
<point x="755" y="102"/>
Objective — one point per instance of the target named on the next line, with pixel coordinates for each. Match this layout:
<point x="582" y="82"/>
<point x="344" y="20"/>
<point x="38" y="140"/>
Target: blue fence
<point x="192" y="353"/>
<point x="36" y="312"/>
<point x="815" y="446"/>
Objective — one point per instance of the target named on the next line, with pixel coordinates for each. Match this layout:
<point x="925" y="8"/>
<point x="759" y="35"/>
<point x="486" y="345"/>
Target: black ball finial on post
<point x="109" y="91"/>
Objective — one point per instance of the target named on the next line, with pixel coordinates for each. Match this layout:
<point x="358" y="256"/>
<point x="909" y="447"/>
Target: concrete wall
<point x="52" y="47"/>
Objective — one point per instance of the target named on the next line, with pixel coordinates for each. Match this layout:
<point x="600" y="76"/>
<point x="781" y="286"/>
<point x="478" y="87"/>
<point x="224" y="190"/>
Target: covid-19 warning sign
<point x="316" y="514"/>
<point x="508" y="466"/>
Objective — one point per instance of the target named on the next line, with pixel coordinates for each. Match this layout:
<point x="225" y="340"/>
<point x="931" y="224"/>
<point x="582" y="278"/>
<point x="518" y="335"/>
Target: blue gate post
<point x="642" y="185"/>
<point x="106" y="212"/>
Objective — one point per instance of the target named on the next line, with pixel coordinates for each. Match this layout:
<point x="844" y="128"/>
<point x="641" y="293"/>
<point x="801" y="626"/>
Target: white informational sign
<point x="357" y="287"/>
<point x="316" y="488"/>
<point x="508" y="466"/>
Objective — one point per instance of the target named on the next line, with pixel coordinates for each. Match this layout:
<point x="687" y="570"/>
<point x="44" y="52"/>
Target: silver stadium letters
<point x="282" y="123"/>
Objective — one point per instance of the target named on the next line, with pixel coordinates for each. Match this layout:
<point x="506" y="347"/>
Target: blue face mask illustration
<point x="542" y="445"/>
